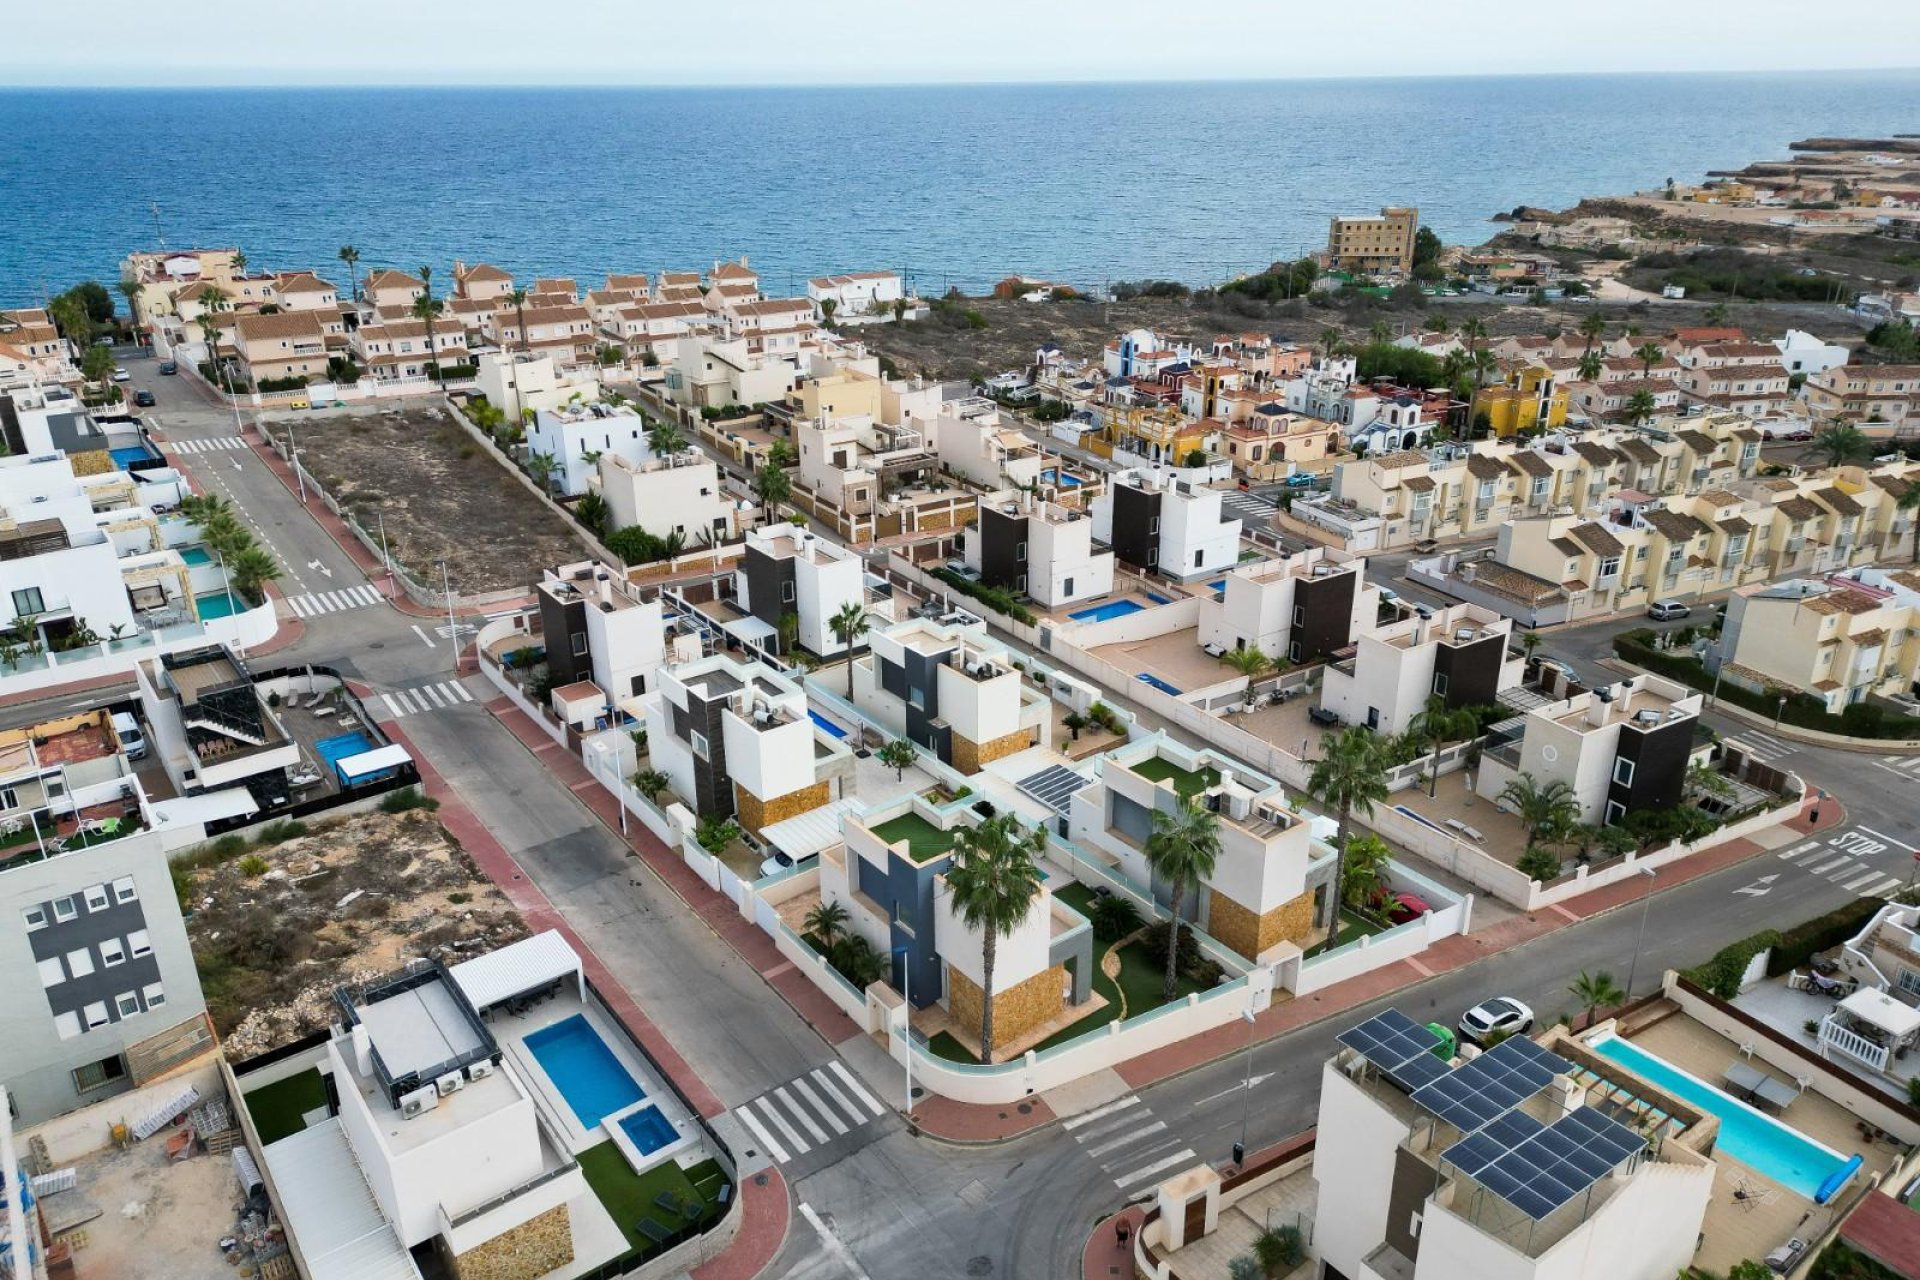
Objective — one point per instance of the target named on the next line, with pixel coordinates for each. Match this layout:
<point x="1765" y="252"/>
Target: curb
<point x="1790" y="732"/>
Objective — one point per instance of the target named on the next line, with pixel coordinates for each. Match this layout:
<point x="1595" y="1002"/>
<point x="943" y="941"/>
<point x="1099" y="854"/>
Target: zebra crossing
<point x="1763" y="747"/>
<point x="315" y="603"/>
<point x="1906" y="766"/>
<point x="1131" y="1145"/>
<point x="809" y="1113"/>
<point x="1244" y="506"/>
<point x="438" y="696"/>
<point x="214" y="445"/>
<point x="1841" y="860"/>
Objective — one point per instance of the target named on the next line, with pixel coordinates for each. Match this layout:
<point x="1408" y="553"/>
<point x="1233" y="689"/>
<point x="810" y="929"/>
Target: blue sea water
<point x="954" y="184"/>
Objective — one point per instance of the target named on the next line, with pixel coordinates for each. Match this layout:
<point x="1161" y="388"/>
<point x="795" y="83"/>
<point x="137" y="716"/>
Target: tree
<point x="97" y="365"/>
<point x="827" y="307"/>
<point x="1547" y="810"/>
<point x="899" y="755"/>
<point x="1649" y="354"/>
<point x="130" y="290"/>
<point x="1380" y="331"/>
<point x="1329" y="340"/>
<point x="239" y="261"/>
<point x="1075" y="722"/>
<point x="1748" y="1269"/>
<point x="1590" y="365"/>
<point x="664" y="440"/>
<point x="1426" y="247"/>
<point x="1182" y="848"/>
<point x="1640" y="406"/>
<point x="1703" y="777"/>
<point x="771" y="486"/>
<point x="1716" y="315"/>
<point x="994" y="879"/>
<point x="593" y="512"/>
<point x="251" y="568"/>
<point x="1593" y="327"/>
<point x="1366" y="872"/>
<point x="1482" y="364"/>
<point x="789" y="629"/>
<point x="1596" y="991"/>
<point x="71" y="319"/>
<point x="1841" y="443"/>
<point x="1350" y="775"/>
<point x="1438" y="724"/>
<point x="541" y="468"/>
<point x="826" y="922"/>
<point x="426" y="309"/>
<point x="650" y="783"/>
<point x="1250" y="662"/>
<point x="849" y="624"/>
<point x="518" y="298"/>
<point x="351" y="257"/>
<point x="1473" y="331"/>
<point x="780" y="454"/>
<point x="1530" y="642"/>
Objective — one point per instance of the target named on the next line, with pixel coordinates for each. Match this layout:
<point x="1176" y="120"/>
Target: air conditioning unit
<point x="480" y="1070"/>
<point x="452" y="1082"/>
<point x="418" y="1103"/>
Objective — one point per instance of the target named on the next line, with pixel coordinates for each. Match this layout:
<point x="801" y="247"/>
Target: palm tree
<point x="1593" y="327"/>
<point x="240" y="264"/>
<point x="1841" y="443"/>
<point x="1482" y="363"/>
<point x="1596" y="991"/>
<point x="1380" y="331"/>
<point x="1909" y="502"/>
<point x="1439" y="724"/>
<point x="1350" y="775"/>
<point x="772" y="487"/>
<point x="540" y="467"/>
<point x="827" y="307"/>
<point x="252" y="568"/>
<point x="650" y="783"/>
<point x="994" y="878"/>
<point x="130" y="290"/>
<point x="1640" y="406"/>
<point x="351" y="256"/>
<point x="1590" y="365"/>
<point x="664" y="440"/>
<point x="1329" y="339"/>
<point x="1454" y="366"/>
<point x="849" y="624"/>
<point x="1716" y="315"/>
<point x="1649" y="354"/>
<point x="425" y="308"/>
<point x="827" y="922"/>
<point x="1529" y="643"/>
<point x="1182" y="849"/>
<point x="1250" y="662"/>
<point x="780" y="454"/>
<point x="1473" y="332"/>
<point x="1703" y="777"/>
<point x="518" y="297"/>
<point x="899" y="755"/>
<point x="1547" y="810"/>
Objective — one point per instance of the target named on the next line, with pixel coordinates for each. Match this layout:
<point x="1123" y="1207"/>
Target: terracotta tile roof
<point x="1696" y="336"/>
<point x="1419" y="484"/>
<point x="1677" y="526"/>
<point x="483" y="271"/>
<point x="1532" y="463"/>
<point x="1596" y="538"/>
<point x="1640" y="451"/>
<point x="1486" y="468"/>
<point x="287" y="324"/>
<point x="1906" y="578"/>
<point x="1747" y="434"/>
<point x="1798" y="508"/>
<point x="1886" y="1231"/>
<point x="1827" y="686"/>
<point x="567" y="313"/>
<point x="1843" y="600"/>
<point x="627" y="280"/>
<point x="302" y="282"/>
<point x="1697" y="441"/>
<point x="734" y="271"/>
<point x="1720" y="498"/>
<point x="1867" y="639"/>
<point x="393" y="280"/>
<point x="1568" y="547"/>
<point x="1839" y="500"/>
<point x="1596" y="453"/>
<point x="1894" y="485"/>
<point x="1513" y="584"/>
<point x="1736" y="526"/>
<point x="1738" y="350"/>
<point x="1400" y="458"/>
<point x="1778" y="485"/>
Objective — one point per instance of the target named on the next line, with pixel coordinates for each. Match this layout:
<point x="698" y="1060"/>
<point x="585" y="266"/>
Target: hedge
<point x="294" y="382"/>
<point x="1721" y="975"/>
<point x="1861" y="720"/>
<point x="1800" y="943"/>
<point x="998" y="599"/>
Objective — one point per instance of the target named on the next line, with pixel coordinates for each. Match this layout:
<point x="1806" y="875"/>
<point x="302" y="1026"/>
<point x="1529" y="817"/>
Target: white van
<point x="127" y="729"/>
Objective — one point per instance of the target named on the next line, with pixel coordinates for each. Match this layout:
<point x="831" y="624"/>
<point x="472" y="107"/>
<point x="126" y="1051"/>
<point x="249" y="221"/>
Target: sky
<point x="132" y="43"/>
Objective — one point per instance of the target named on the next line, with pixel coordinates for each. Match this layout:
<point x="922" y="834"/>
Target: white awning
<point x="370" y="762"/>
<point x="324" y="1199"/>
<point x="812" y="831"/>
<point x="516" y="968"/>
<point x="749" y="630"/>
<point x="1882" y="1010"/>
<point x="211" y="806"/>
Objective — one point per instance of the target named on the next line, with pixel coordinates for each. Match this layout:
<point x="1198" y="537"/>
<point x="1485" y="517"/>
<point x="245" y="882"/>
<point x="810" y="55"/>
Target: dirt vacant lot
<point x="441" y="494"/>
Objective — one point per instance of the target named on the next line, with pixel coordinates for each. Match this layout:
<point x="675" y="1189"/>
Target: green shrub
<point x="1192" y="963"/>
<point x="1114" y="917"/>
<point x="1801" y="709"/>
<point x="460" y="898"/>
<point x="411" y="798"/>
<point x="998" y="599"/>
<point x="1539" y="864"/>
<point x="1721" y="975"/>
<point x="1806" y="939"/>
<point x="280" y="832"/>
<point x="296" y="382"/>
<point x="253" y="865"/>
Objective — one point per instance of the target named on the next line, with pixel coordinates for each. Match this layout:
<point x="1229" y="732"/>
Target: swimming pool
<point x="1749" y="1136"/>
<point x="1054" y="476"/>
<point x="218" y="604"/>
<point x="125" y="458"/>
<point x="196" y="555"/>
<point x="1108" y="611"/>
<point x="1219" y="588"/>
<point x="647" y="1129"/>
<point x="826" y="724"/>
<point x="583" y="1069"/>
<point x="337" y="748"/>
<point x="1148" y="678"/>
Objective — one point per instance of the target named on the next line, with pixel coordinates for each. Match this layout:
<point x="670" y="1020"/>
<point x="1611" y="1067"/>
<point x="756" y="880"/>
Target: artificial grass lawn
<point x="924" y="840"/>
<point x="628" y="1196"/>
<point x="277" y="1108"/>
<point x="1351" y="926"/>
<point x="1187" y="782"/>
<point x="1078" y="896"/>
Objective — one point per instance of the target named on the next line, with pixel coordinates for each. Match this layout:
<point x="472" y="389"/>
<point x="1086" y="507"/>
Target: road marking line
<point x="425" y="639"/>
<point x="424" y="705"/>
<point x="1825" y="867"/>
<point x="1135" y="1136"/>
<point x="801" y="1089"/>
<point x="1854" y="886"/>
<point x="1887" y="890"/>
<point x="1878" y="835"/>
<point x="1121" y="1104"/>
<point x="853" y="1085"/>
<point x="1799" y="849"/>
<point x="461" y="690"/>
<point x="787" y="1131"/>
<point x="1127" y="1179"/>
<point x="774" y="1149"/>
<point x="392" y="706"/>
<point x="1111" y="1124"/>
<point x="432" y="695"/>
<point x="800" y="1113"/>
<point x="827" y="1087"/>
<point x="1807" y="859"/>
<point x="832" y="1243"/>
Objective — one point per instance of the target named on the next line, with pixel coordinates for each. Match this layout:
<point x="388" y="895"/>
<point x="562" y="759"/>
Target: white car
<point x="120" y="374"/>
<point x="1501" y="1016"/>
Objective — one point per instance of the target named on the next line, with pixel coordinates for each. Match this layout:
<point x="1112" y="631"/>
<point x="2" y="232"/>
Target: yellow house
<point x="1527" y="396"/>
<point x="1159" y="435"/>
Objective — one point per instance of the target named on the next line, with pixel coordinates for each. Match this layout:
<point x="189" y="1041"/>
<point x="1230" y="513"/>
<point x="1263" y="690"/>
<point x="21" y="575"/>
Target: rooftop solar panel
<point x="1389" y="1039"/>
<point x="1054" y="786"/>
<point x="1552" y="1165"/>
<point x="1416" y="1072"/>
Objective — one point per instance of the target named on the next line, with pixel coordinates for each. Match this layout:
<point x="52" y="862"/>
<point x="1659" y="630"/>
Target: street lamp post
<point x="453" y="627"/>
<point x="1246" y="1102"/>
<point x="293" y="450"/>
<point x="1646" y="905"/>
<point x="906" y="998"/>
<point x="1779" y="710"/>
<point x="386" y="560"/>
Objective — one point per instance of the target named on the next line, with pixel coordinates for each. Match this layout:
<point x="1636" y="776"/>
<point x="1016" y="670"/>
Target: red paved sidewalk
<point x="1108" y="1252"/>
<point x="763" y="1197"/>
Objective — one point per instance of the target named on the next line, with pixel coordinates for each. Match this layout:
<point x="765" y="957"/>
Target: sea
<point x="954" y="185"/>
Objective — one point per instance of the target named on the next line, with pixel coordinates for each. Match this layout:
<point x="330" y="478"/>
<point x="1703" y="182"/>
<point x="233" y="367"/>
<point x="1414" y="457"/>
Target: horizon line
<point x="934" y="82"/>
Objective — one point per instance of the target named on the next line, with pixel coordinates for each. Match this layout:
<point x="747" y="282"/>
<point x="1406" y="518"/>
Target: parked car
<point x="143" y="398"/>
<point x="127" y="729"/>
<point x="1500" y="1016"/>
<point x="169" y="368"/>
<point x="1321" y="715"/>
<point x="1667" y="610"/>
<point x="1300" y="480"/>
<point x="1401" y="907"/>
<point x="1422" y="610"/>
<point x="120" y="374"/>
<point x="1545" y="664"/>
<point x="1426" y="546"/>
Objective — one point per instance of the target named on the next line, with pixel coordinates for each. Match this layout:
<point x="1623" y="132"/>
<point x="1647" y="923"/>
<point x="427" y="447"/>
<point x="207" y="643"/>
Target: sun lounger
<point x="652" y="1230"/>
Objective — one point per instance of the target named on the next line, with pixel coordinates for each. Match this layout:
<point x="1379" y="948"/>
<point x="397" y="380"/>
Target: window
<point x="112" y="952"/>
<point x="127" y="1004"/>
<point x="579" y="639"/>
<point x="1623" y="771"/>
<point x="786" y="593"/>
<point x="51" y="974"/>
<point x="123" y="890"/>
<point x="1908" y="981"/>
<point x="1610" y="567"/>
<point x="700" y="745"/>
<point x="917" y="698"/>
<point x="36" y="918"/>
<point x="98" y="1075"/>
<point x="64" y="909"/>
<point x="1020" y="551"/>
<point x="138" y="944"/>
<point x="96" y="897"/>
<point x="27" y="600"/>
<point x="1299" y="615"/>
<point x="80" y="962"/>
<point x="153" y="995"/>
<point x="9" y="798"/>
<point x="95" y="1014"/>
<point x="67" y="1024"/>
<point x="1199" y="559"/>
<point x="1066" y="587"/>
<point x="1440" y="683"/>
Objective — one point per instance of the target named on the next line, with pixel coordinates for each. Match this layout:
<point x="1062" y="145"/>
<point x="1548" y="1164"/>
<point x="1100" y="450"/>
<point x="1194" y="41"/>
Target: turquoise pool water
<point x="826" y="724"/>
<point x="1749" y="1136"/>
<point x="196" y="555"/>
<point x="647" y="1129"/>
<point x="125" y="458"/>
<point x="219" y="604"/>
<point x="585" y="1071"/>
<point x="1157" y="682"/>
<point x="1053" y="476"/>
<point x="1111" y="609"/>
